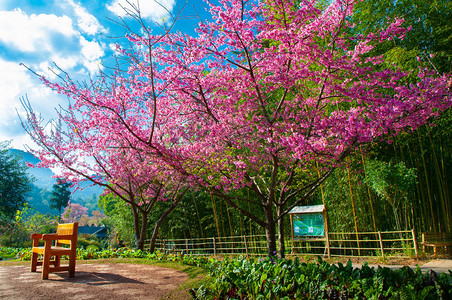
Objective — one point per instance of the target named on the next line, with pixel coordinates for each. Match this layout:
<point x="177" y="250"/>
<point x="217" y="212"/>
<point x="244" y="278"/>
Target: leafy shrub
<point x="87" y="240"/>
<point x="8" y="252"/>
<point x="92" y="248"/>
<point x="24" y="254"/>
<point x="285" y="279"/>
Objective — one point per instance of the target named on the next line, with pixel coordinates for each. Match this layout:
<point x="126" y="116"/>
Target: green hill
<point x="38" y="197"/>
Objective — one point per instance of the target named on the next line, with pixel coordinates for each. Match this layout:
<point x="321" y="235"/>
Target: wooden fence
<point x="363" y="244"/>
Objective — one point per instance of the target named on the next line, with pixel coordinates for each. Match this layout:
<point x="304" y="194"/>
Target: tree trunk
<point x="136" y="229"/>
<point x="282" y="246"/>
<point x="270" y="232"/>
<point x="142" y="233"/>
<point x="162" y="218"/>
<point x="139" y="243"/>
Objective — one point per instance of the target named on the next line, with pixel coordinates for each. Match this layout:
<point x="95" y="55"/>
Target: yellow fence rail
<point x="352" y="244"/>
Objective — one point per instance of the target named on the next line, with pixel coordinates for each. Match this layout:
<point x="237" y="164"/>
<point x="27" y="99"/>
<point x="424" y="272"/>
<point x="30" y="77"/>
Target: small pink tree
<point x="73" y="212"/>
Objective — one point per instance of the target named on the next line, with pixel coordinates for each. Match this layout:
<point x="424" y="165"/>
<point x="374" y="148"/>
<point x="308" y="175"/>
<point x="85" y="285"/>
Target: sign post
<point x="309" y="223"/>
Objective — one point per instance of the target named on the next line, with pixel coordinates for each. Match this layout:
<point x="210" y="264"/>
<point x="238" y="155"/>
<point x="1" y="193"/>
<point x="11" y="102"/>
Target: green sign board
<point x="310" y="225"/>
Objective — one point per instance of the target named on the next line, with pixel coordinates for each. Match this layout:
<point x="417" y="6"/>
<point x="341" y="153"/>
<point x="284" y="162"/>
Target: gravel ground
<point x="91" y="281"/>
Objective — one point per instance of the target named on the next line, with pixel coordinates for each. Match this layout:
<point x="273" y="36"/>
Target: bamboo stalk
<point x="409" y="223"/>
<point x="442" y="187"/>
<point x="353" y="206"/>
<point x="230" y="225"/>
<point x="427" y="182"/>
<point x="215" y="214"/>
<point x="423" y="205"/>
<point x="186" y="220"/>
<point x="414" y="242"/>
<point x="246" y="246"/>
<point x="447" y="193"/>
<point x="251" y="224"/>
<point x="321" y="185"/>
<point x="241" y="227"/>
<point x="221" y="220"/>
<point x="368" y="191"/>
<point x="381" y="245"/>
<point x="197" y="213"/>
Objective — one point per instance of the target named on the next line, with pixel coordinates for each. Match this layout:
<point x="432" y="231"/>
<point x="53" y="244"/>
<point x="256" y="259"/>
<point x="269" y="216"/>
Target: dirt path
<point x="92" y="281"/>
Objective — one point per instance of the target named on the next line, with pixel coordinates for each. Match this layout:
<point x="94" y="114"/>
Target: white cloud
<point x="15" y="80"/>
<point x="85" y="21"/>
<point x="151" y="9"/>
<point x="19" y="141"/>
<point x="66" y="62"/>
<point x="93" y="67"/>
<point x="10" y="84"/>
<point x="31" y="33"/>
<point x="91" y="50"/>
<point x="38" y="40"/>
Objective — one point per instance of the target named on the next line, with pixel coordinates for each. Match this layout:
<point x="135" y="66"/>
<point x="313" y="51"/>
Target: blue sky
<point x="72" y="33"/>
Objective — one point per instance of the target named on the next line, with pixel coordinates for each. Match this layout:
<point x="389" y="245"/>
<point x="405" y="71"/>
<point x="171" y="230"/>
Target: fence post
<point x="414" y="241"/>
<point x="214" y="247"/>
<point x="381" y="245"/>
<point x="327" y="242"/>
<point x="423" y="242"/>
<point x="246" y="246"/>
<point x="186" y="246"/>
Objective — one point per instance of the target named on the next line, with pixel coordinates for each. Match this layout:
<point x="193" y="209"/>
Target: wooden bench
<point x="435" y="240"/>
<point x="66" y="235"/>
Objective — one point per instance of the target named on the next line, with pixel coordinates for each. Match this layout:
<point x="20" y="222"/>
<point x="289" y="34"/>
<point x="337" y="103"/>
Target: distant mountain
<point x="43" y="176"/>
<point x="85" y="195"/>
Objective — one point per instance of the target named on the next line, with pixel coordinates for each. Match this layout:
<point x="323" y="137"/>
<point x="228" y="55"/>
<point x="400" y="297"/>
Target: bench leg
<point x="46" y="261"/>
<point x="34" y="261"/>
<point x="57" y="261"/>
<point x="72" y="258"/>
<point x="46" y="266"/>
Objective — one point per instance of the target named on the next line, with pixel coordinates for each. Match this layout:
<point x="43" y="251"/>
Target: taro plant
<point x="270" y="278"/>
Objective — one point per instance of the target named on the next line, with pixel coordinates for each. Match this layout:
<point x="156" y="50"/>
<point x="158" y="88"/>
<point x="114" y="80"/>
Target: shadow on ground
<point x="91" y="281"/>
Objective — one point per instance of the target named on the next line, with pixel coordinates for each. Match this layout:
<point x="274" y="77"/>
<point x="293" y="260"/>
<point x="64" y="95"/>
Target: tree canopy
<point x="60" y="195"/>
<point x="15" y="183"/>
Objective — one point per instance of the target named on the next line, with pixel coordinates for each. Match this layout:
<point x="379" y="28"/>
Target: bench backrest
<point x="68" y="229"/>
<point x="436" y="236"/>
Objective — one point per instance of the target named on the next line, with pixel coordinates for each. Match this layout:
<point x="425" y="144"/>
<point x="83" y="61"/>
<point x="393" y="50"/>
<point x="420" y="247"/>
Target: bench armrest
<point x="55" y="236"/>
<point x="36" y="236"/>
